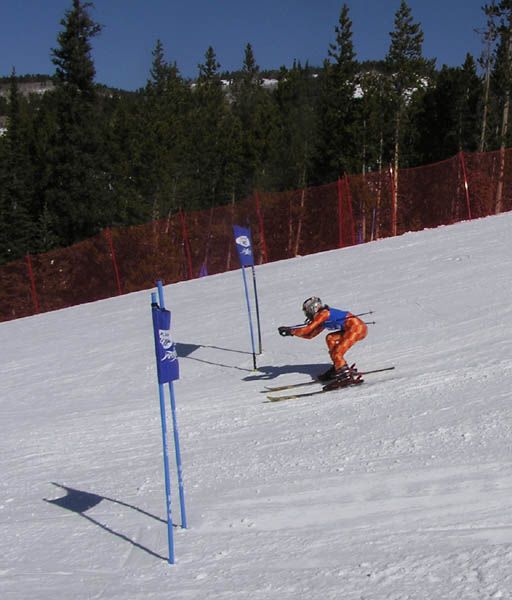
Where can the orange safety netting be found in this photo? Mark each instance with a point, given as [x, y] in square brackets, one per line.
[355, 209]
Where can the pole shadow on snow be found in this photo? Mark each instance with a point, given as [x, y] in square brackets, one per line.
[79, 502]
[185, 350]
[271, 372]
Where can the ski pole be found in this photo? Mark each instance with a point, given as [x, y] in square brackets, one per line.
[370, 312]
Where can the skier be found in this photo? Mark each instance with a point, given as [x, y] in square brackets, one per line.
[347, 329]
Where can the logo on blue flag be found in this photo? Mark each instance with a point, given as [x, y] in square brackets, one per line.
[165, 349]
[244, 245]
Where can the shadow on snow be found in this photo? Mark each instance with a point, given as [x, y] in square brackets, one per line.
[79, 502]
[185, 350]
[271, 371]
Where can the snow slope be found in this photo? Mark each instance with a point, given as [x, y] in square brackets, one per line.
[398, 489]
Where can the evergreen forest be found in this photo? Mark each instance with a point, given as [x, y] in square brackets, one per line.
[82, 157]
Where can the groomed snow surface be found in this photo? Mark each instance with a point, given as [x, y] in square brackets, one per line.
[397, 489]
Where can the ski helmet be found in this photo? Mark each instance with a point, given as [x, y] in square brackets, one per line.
[311, 306]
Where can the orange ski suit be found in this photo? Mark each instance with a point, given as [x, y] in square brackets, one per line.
[338, 342]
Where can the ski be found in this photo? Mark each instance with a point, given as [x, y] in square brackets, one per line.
[308, 394]
[313, 381]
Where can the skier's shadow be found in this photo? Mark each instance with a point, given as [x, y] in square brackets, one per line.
[271, 372]
[79, 502]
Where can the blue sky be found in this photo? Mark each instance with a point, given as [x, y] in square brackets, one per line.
[278, 30]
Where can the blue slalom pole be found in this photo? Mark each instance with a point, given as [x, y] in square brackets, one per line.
[257, 308]
[170, 534]
[178, 457]
[250, 318]
[179, 466]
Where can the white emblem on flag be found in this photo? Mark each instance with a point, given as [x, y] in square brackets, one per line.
[165, 338]
[243, 240]
[167, 344]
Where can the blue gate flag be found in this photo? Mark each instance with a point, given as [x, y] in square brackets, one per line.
[244, 245]
[165, 349]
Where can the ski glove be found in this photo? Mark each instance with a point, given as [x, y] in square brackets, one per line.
[284, 331]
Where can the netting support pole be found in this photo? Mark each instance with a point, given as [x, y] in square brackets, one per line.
[394, 200]
[108, 236]
[350, 209]
[340, 213]
[466, 186]
[264, 253]
[186, 244]
[33, 291]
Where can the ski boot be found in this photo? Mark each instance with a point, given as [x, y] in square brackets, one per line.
[331, 373]
[344, 377]
[327, 375]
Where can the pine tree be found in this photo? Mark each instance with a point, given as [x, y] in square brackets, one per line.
[449, 120]
[78, 193]
[16, 226]
[207, 142]
[503, 65]
[374, 116]
[296, 97]
[254, 110]
[489, 35]
[160, 153]
[44, 126]
[502, 87]
[245, 89]
[337, 148]
[159, 71]
[469, 106]
[407, 71]
[126, 138]
[498, 93]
